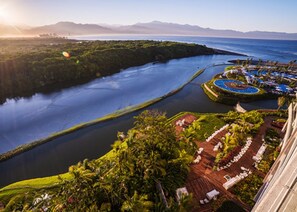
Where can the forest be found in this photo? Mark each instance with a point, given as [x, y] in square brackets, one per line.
[35, 65]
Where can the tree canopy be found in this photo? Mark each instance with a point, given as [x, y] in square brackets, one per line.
[126, 180]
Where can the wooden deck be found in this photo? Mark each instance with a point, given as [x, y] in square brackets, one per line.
[202, 178]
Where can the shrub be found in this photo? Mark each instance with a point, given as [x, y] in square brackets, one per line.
[247, 189]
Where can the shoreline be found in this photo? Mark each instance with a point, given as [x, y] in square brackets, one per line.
[78, 69]
[26, 147]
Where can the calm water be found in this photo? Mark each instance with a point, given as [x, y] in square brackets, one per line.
[28, 119]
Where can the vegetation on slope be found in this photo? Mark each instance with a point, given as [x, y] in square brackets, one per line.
[43, 67]
[128, 179]
[248, 188]
[203, 127]
[20, 189]
[150, 154]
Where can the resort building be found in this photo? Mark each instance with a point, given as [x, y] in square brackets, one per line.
[279, 191]
[270, 78]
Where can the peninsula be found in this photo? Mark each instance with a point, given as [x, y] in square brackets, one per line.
[30, 65]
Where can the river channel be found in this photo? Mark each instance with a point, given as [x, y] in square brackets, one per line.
[28, 119]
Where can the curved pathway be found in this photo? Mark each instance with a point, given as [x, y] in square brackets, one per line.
[209, 90]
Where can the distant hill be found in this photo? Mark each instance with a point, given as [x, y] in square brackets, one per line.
[157, 27]
[68, 28]
[154, 27]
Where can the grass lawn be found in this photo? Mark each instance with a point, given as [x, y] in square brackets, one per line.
[25, 186]
[229, 67]
[209, 124]
[22, 187]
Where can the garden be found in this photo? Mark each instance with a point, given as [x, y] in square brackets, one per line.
[242, 126]
[203, 127]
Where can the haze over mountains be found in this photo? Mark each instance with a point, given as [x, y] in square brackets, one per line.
[155, 27]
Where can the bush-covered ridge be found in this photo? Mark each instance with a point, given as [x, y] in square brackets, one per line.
[25, 71]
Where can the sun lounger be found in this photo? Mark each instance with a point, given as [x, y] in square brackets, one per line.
[213, 193]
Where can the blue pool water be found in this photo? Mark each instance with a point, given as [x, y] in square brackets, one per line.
[283, 88]
[221, 83]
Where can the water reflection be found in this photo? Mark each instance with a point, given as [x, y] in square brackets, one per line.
[92, 142]
[28, 119]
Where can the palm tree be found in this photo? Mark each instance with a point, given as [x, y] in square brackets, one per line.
[291, 63]
[260, 62]
[281, 101]
[137, 203]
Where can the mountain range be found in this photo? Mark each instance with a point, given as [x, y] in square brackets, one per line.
[150, 28]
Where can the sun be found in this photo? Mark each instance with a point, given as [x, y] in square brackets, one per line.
[5, 15]
[7, 18]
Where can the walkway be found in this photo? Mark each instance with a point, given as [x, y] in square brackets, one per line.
[202, 178]
[209, 90]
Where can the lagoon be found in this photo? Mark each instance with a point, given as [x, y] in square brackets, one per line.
[28, 119]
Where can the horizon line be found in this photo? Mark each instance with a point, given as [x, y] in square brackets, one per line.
[165, 22]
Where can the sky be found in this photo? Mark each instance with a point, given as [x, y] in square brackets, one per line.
[241, 15]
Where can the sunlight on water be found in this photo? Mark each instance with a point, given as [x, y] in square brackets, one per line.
[28, 119]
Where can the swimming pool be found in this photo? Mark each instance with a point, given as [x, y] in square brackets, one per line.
[234, 86]
[283, 88]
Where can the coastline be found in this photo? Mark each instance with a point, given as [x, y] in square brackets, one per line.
[43, 74]
[26, 147]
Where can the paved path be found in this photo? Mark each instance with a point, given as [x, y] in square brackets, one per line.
[209, 90]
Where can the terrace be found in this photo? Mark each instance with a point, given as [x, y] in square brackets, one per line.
[205, 176]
